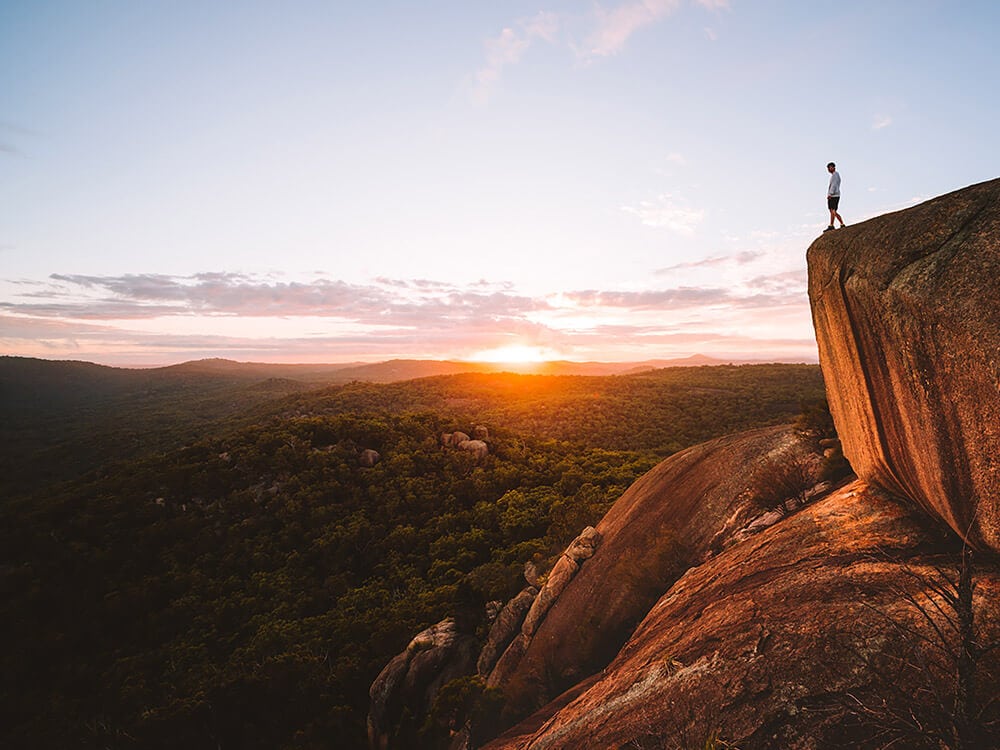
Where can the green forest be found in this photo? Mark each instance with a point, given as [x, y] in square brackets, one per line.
[239, 578]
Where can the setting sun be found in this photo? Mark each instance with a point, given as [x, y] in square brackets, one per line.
[515, 354]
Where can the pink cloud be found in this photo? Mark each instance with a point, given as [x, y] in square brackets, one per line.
[615, 26]
[148, 317]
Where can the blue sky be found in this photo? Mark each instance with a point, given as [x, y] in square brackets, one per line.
[328, 181]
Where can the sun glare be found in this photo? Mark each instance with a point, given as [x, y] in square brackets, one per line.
[514, 354]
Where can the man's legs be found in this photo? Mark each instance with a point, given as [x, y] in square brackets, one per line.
[833, 202]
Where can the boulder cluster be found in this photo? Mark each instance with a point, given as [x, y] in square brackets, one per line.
[477, 445]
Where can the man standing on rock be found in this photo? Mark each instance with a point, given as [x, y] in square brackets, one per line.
[833, 196]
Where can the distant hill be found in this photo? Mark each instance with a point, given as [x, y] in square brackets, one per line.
[26, 381]
[395, 370]
[61, 418]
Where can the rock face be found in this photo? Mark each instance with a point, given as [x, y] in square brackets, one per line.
[661, 525]
[504, 629]
[763, 641]
[411, 681]
[907, 317]
[566, 567]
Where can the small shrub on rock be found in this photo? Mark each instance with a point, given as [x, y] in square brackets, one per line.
[781, 481]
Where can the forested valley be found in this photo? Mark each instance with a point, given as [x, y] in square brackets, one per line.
[240, 580]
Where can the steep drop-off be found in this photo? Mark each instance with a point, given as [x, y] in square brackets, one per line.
[907, 318]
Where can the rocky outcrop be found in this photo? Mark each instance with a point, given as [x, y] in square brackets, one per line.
[566, 567]
[368, 458]
[453, 439]
[504, 629]
[664, 523]
[405, 689]
[764, 642]
[477, 448]
[907, 318]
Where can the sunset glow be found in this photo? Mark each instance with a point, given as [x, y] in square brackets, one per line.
[610, 181]
[515, 354]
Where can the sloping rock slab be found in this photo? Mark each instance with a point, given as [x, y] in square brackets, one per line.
[659, 527]
[760, 644]
[907, 317]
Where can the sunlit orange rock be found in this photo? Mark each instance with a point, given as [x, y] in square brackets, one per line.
[665, 522]
[907, 314]
[763, 645]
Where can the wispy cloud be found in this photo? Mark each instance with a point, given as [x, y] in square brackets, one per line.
[507, 49]
[9, 129]
[614, 26]
[881, 121]
[144, 296]
[778, 290]
[720, 260]
[604, 30]
[667, 212]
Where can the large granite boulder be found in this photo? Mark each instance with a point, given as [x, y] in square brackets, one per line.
[405, 689]
[477, 448]
[368, 458]
[907, 318]
[674, 516]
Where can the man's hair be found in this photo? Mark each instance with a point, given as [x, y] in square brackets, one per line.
[831, 164]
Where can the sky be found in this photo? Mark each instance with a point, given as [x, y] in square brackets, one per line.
[613, 180]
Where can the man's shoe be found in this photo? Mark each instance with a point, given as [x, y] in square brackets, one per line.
[828, 228]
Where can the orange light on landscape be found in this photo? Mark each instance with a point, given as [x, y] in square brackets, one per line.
[514, 354]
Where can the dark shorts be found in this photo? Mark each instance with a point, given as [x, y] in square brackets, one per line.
[833, 202]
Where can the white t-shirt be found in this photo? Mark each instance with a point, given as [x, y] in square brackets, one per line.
[834, 189]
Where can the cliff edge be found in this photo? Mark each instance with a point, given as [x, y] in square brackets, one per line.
[907, 318]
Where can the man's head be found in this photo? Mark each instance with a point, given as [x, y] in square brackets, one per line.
[831, 167]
